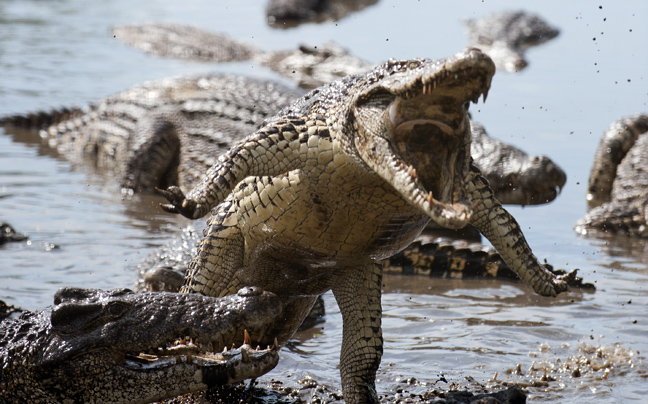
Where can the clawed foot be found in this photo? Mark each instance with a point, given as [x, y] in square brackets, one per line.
[179, 203]
[562, 282]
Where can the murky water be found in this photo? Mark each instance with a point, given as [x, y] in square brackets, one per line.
[84, 232]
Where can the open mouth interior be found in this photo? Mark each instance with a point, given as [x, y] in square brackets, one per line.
[190, 351]
[415, 133]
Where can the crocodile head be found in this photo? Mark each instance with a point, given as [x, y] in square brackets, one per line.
[118, 346]
[412, 129]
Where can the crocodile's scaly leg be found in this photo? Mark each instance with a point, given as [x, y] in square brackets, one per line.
[215, 271]
[274, 150]
[503, 231]
[154, 154]
[220, 254]
[358, 296]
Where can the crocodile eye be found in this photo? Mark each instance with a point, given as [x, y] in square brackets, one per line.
[413, 65]
[116, 308]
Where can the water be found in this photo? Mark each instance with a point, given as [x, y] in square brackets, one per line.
[84, 232]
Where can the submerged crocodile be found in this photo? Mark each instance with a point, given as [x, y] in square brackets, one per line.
[345, 177]
[9, 234]
[119, 347]
[170, 131]
[506, 36]
[503, 36]
[290, 13]
[617, 193]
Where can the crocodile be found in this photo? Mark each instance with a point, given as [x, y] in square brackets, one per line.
[344, 177]
[165, 268]
[162, 132]
[117, 346]
[290, 13]
[616, 195]
[506, 36]
[9, 234]
[172, 130]
[309, 66]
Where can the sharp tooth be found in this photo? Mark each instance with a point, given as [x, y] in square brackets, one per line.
[246, 338]
[258, 348]
[225, 350]
[244, 356]
[430, 198]
[275, 346]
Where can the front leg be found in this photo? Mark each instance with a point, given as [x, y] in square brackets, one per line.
[358, 296]
[503, 231]
[273, 150]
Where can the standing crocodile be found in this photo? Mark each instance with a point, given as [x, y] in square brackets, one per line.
[506, 36]
[115, 346]
[170, 131]
[617, 196]
[345, 177]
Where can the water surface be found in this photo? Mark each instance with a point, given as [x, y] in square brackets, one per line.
[85, 232]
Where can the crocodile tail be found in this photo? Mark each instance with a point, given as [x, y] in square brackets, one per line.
[41, 119]
[446, 261]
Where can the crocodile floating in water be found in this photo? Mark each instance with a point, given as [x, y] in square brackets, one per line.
[345, 177]
[506, 36]
[617, 192]
[9, 234]
[119, 347]
[163, 132]
[503, 36]
[290, 13]
[170, 131]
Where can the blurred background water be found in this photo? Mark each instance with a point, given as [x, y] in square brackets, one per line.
[85, 232]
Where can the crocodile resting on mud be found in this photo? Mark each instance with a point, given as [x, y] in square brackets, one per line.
[617, 193]
[115, 346]
[345, 177]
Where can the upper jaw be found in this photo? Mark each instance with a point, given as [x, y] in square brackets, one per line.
[422, 146]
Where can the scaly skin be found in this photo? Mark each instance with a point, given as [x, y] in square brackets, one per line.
[506, 36]
[617, 196]
[115, 346]
[345, 177]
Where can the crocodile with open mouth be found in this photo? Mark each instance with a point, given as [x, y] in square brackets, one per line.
[347, 176]
[116, 346]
